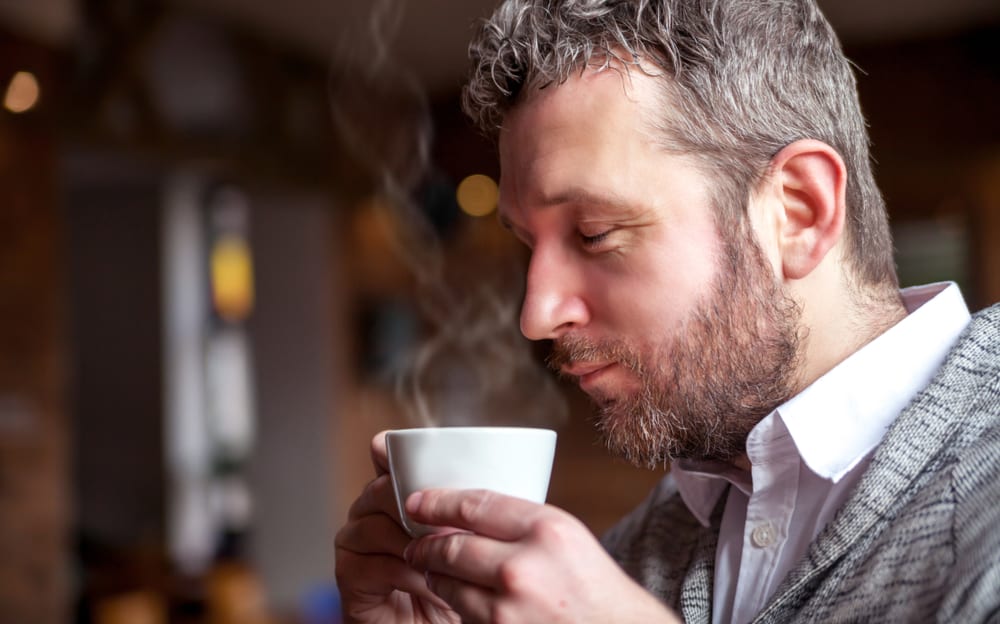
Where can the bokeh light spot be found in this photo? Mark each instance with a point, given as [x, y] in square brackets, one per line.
[22, 93]
[477, 195]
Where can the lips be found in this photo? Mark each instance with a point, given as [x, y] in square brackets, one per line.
[586, 372]
[581, 369]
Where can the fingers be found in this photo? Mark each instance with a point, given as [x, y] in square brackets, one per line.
[367, 577]
[376, 583]
[373, 534]
[377, 497]
[380, 458]
[475, 604]
[480, 511]
[466, 556]
[382, 573]
[373, 525]
[369, 553]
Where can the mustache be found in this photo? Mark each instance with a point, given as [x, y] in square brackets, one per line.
[571, 348]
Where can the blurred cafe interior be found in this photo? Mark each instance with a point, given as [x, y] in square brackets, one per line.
[239, 237]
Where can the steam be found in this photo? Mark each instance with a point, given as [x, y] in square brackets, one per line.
[474, 367]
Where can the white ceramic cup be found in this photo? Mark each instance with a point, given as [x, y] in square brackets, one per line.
[516, 461]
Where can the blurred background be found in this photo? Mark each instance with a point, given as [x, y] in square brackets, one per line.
[239, 237]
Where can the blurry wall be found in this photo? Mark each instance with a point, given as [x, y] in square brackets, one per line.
[113, 257]
[292, 467]
[35, 430]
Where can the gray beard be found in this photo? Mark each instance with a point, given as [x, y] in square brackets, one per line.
[732, 363]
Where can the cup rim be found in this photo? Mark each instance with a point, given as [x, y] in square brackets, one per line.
[469, 429]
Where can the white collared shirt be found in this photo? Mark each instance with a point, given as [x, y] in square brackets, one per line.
[808, 454]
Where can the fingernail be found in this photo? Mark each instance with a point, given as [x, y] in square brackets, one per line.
[408, 551]
[413, 502]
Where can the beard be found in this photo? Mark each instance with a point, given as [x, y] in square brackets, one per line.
[701, 391]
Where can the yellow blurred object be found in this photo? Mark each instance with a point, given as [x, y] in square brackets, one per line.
[235, 596]
[23, 92]
[232, 278]
[477, 195]
[138, 607]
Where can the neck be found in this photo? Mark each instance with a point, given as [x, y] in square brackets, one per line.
[839, 322]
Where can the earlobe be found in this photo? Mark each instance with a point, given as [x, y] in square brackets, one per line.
[811, 181]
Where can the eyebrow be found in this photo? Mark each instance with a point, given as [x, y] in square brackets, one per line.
[582, 196]
[579, 196]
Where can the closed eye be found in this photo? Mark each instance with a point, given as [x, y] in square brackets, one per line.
[595, 239]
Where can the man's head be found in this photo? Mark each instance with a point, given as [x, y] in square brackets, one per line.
[682, 335]
[739, 80]
[677, 172]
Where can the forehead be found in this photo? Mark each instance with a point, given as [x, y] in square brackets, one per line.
[595, 128]
[610, 98]
[598, 117]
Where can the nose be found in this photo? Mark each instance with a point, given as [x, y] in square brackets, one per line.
[554, 300]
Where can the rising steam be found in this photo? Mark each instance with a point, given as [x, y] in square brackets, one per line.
[475, 367]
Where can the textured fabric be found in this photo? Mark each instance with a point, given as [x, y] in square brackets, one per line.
[918, 541]
[809, 454]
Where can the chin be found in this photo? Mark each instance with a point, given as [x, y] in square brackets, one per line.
[612, 393]
[608, 403]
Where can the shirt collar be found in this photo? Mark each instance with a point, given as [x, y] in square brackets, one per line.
[842, 416]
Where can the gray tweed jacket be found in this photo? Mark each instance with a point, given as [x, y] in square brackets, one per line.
[918, 541]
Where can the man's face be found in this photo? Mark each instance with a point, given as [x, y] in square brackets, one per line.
[681, 336]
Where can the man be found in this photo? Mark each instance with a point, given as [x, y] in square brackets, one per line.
[710, 258]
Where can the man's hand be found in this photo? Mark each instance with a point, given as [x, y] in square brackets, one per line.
[517, 561]
[375, 583]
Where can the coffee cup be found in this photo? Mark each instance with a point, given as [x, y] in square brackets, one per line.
[516, 461]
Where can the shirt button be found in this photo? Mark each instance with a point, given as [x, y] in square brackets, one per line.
[763, 535]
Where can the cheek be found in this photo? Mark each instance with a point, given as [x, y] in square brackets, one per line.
[654, 294]
[680, 272]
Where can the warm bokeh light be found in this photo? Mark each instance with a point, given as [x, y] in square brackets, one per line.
[22, 92]
[232, 278]
[477, 195]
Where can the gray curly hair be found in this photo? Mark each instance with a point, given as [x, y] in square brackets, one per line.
[741, 80]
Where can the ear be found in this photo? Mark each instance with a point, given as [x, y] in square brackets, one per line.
[810, 181]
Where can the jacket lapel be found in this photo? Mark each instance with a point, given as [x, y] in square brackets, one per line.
[696, 589]
[923, 431]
